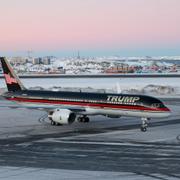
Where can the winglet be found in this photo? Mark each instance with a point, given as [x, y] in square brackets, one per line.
[12, 81]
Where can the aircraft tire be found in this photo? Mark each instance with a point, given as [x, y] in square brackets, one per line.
[80, 119]
[83, 119]
[143, 129]
[86, 119]
[59, 124]
[53, 123]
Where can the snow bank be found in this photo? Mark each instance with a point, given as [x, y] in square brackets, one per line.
[153, 90]
[147, 90]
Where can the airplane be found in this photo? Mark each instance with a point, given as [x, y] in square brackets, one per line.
[65, 107]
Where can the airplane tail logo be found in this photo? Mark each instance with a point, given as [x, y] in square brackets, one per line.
[12, 81]
[9, 79]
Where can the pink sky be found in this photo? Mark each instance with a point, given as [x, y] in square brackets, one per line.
[70, 24]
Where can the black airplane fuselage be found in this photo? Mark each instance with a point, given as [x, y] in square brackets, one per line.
[117, 102]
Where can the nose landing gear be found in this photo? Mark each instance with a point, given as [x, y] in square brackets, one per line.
[144, 124]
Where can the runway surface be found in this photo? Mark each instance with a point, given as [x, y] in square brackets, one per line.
[102, 149]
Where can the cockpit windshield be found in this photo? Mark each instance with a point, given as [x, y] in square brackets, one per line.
[157, 105]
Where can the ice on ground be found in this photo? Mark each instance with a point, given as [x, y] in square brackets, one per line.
[16, 173]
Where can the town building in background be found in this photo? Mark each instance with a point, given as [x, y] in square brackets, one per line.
[94, 65]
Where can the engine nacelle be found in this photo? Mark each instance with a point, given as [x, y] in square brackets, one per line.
[63, 116]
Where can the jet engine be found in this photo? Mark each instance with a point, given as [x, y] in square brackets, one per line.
[62, 116]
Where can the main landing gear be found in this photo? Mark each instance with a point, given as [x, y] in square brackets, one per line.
[144, 124]
[83, 119]
[53, 123]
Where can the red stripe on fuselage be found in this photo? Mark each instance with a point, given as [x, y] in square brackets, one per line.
[88, 104]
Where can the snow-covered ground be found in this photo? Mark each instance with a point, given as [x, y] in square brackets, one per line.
[22, 123]
[99, 65]
[17, 173]
[109, 143]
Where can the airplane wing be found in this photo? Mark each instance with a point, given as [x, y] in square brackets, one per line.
[13, 105]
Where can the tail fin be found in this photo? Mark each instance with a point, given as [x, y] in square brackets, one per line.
[12, 81]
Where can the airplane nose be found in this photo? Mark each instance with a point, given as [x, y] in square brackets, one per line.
[167, 111]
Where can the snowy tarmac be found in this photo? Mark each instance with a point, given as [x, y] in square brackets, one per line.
[102, 149]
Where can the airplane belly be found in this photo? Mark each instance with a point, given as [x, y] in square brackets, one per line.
[123, 112]
[101, 111]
